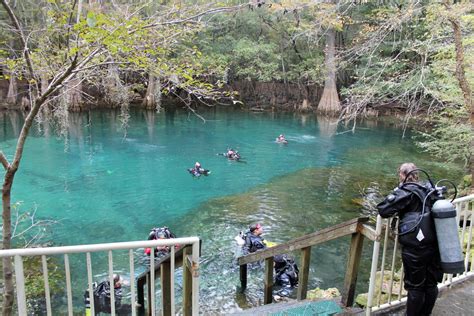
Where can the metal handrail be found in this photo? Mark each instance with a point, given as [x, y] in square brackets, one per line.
[17, 254]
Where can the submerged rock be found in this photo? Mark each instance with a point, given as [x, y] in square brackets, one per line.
[318, 293]
[382, 288]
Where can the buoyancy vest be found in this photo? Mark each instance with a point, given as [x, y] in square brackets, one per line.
[101, 296]
[416, 226]
[253, 243]
[155, 232]
[286, 271]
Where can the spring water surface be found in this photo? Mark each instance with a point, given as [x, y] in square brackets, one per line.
[105, 184]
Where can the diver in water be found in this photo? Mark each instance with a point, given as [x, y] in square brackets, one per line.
[232, 154]
[160, 233]
[281, 139]
[286, 274]
[101, 296]
[253, 239]
[197, 171]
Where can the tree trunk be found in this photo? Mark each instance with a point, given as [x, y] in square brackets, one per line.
[74, 94]
[463, 84]
[44, 83]
[8, 294]
[12, 90]
[152, 96]
[329, 102]
[15, 120]
[305, 106]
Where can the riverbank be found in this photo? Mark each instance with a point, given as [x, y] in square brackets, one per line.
[249, 95]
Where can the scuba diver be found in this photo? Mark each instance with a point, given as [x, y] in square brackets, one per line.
[412, 201]
[281, 139]
[232, 154]
[286, 274]
[160, 233]
[101, 296]
[253, 239]
[197, 171]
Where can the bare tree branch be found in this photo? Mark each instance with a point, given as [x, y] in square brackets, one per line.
[20, 228]
[100, 64]
[4, 161]
[201, 14]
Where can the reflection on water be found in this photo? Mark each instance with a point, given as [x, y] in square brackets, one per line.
[109, 187]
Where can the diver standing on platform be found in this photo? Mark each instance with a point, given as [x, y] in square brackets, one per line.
[412, 202]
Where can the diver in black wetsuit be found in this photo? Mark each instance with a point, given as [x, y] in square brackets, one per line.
[101, 296]
[160, 233]
[253, 239]
[197, 171]
[286, 274]
[281, 139]
[417, 235]
[232, 154]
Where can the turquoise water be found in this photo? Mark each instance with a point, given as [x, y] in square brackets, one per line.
[105, 184]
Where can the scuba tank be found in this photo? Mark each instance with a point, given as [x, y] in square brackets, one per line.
[444, 215]
[240, 239]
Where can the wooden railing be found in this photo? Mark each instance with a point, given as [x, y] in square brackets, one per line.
[356, 227]
[164, 269]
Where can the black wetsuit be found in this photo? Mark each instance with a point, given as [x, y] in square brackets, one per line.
[286, 273]
[102, 299]
[420, 253]
[253, 243]
[197, 172]
[155, 232]
[155, 235]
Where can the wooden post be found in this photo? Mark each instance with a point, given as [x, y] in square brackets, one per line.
[352, 269]
[166, 288]
[268, 281]
[304, 273]
[187, 284]
[243, 276]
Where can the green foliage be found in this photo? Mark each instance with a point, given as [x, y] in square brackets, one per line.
[451, 136]
[264, 45]
[260, 60]
[34, 281]
[141, 42]
[404, 56]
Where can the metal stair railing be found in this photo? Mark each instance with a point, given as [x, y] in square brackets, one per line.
[189, 248]
[390, 259]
